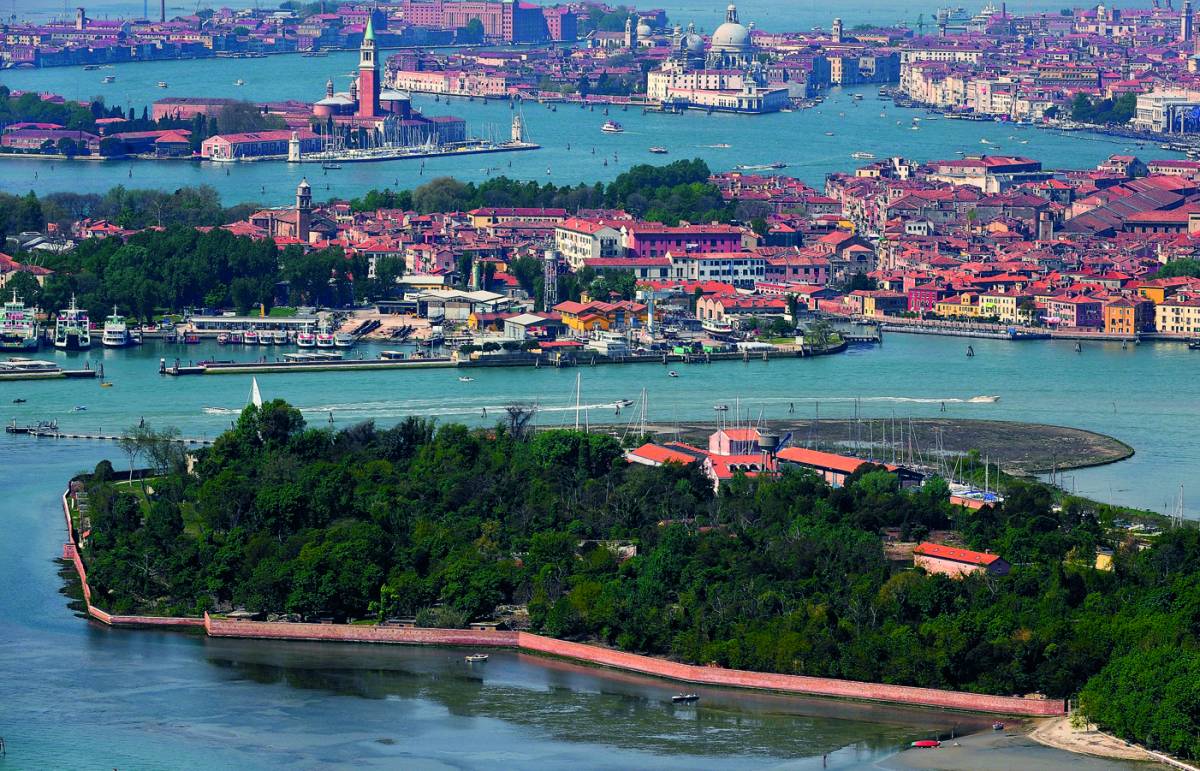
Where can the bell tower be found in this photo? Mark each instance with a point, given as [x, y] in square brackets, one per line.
[368, 73]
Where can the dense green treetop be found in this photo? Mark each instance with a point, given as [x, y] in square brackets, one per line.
[788, 574]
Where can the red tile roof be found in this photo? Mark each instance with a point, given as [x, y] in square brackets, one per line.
[954, 554]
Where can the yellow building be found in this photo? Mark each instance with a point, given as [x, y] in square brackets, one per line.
[965, 305]
[598, 316]
[1180, 317]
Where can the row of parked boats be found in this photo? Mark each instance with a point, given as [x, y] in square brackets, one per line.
[322, 338]
[20, 329]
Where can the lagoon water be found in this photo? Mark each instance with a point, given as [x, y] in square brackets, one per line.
[77, 695]
[573, 148]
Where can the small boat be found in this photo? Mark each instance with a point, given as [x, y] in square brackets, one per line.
[106, 385]
[162, 84]
[862, 155]
[465, 379]
[658, 150]
[91, 67]
[239, 82]
[108, 79]
[331, 166]
[927, 744]
[998, 726]
[18, 401]
[720, 146]
[222, 339]
[672, 373]
[685, 698]
[828, 133]
[191, 339]
[624, 402]
[476, 658]
[970, 351]
[79, 408]
[721, 407]
[612, 127]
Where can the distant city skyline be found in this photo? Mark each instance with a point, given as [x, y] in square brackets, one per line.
[707, 14]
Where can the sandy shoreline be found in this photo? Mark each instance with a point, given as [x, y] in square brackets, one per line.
[1016, 748]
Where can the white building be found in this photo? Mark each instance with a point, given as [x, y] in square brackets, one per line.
[1168, 111]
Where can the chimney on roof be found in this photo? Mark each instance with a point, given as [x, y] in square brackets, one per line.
[162, 11]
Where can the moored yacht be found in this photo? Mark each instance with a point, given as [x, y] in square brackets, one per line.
[72, 330]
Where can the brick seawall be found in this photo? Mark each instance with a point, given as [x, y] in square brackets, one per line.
[591, 654]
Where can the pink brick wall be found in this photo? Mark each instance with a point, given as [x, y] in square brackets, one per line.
[733, 678]
[218, 627]
[793, 683]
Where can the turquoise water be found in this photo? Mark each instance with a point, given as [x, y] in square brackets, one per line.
[77, 695]
[1123, 393]
[796, 138]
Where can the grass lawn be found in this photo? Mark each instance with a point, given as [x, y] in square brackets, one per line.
[282, 313]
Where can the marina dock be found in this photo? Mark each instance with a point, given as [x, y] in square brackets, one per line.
[31, 369]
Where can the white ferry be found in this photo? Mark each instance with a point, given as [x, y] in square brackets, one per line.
[344, 340]
[862, 155]
[612, 127]
[306, 339]
[18, 327]
[116, 332]
[72, 330]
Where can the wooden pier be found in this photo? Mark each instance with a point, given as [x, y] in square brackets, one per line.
[38, 432]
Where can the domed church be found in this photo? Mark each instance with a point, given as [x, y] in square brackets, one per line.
[731, 46]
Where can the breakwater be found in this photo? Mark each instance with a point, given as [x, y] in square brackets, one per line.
[546, 646]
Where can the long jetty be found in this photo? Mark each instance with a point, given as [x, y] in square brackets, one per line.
[486, 361]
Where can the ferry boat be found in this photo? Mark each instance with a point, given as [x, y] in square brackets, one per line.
[325, 338]
[162, 84]
[863, 156]
[235, 338]
[306, 340]
[108, 79]
[15, 366]
[250, 337]
[91, 67]
[239, 82]
[72, 331]
[116, 333]
[18, 327]
[658, 150]
[266, 338]
[280, 337]
[612, 127]
[344, 340]
[476, 658]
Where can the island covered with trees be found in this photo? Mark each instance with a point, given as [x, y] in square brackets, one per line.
[555, 532]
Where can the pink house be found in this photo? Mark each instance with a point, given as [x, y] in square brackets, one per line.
[954, 562]
[648, 239]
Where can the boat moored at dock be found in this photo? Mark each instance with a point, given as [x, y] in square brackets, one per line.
[19, 329]
[116, 332]
[72, 330]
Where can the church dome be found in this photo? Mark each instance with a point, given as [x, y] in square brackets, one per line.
[732, 36]
[643, 29]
